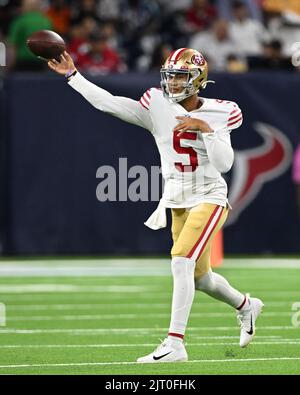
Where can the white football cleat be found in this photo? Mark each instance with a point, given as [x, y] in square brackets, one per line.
[247, 318]
[168, 351]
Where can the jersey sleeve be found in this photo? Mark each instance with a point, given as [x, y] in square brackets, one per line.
[145, 100]
[219, 149]
[234, 117]
[124, 108]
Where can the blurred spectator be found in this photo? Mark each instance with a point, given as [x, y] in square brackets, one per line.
[109, 30]
[296, 176]
[137, 16]
[236, 64]
[160, 54]
[281, 5]
[215, 44]
[138, 29]
[108, 10]
[271, 59]
[59, 13]
[86, 8]
[100, 58]
[174, 29]
[8, 10]
[253, 7]
[201, 15]
[79, 42]
[30, 20]
[247, 34]
[286, 28]
[148, 42]
[169, 7]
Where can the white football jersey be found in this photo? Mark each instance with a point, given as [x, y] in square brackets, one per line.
[193, 162]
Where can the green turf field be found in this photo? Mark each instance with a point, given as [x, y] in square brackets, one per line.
[97, 317]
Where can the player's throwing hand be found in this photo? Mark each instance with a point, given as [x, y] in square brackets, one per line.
[65, 66]
[187, 123]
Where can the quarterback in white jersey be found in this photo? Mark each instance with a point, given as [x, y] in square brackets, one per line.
[192, 134]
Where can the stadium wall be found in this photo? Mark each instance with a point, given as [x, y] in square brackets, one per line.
[55, 142]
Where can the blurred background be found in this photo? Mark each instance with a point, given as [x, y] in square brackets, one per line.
[52, 142]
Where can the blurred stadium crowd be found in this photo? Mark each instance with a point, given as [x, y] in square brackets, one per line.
[107, 36]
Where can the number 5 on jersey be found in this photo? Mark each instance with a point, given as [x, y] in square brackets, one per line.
[185, 150]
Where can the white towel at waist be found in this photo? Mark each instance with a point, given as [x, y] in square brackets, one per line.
[158, 219]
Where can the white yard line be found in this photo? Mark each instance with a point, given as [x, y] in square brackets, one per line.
[132, 297]
[107, 306]
[262, 263]
[237, 337]
[124, 267]
[134, 330]
[100, 317]
[72, 297]
[33, 288]
[135, 363]
[149, 291]
[83, 306]
[216, 337]
[11, 346]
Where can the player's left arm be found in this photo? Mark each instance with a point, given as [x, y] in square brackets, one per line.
[219, 149]
[217, 142]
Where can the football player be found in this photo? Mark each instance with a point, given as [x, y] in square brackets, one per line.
[192, 134]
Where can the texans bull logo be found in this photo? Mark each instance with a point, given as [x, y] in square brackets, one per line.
[256, 166]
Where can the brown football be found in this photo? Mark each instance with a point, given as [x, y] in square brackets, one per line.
[46, 44]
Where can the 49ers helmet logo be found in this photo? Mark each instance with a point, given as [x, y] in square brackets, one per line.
[198, 60]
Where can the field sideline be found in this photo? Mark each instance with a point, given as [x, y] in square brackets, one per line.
[96, 316]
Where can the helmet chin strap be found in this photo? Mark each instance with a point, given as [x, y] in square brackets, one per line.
[203, 86]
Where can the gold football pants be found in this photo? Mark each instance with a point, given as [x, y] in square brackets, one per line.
[193, 231]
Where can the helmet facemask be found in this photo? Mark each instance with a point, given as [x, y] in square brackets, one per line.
[179, 84]
[183, 74]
